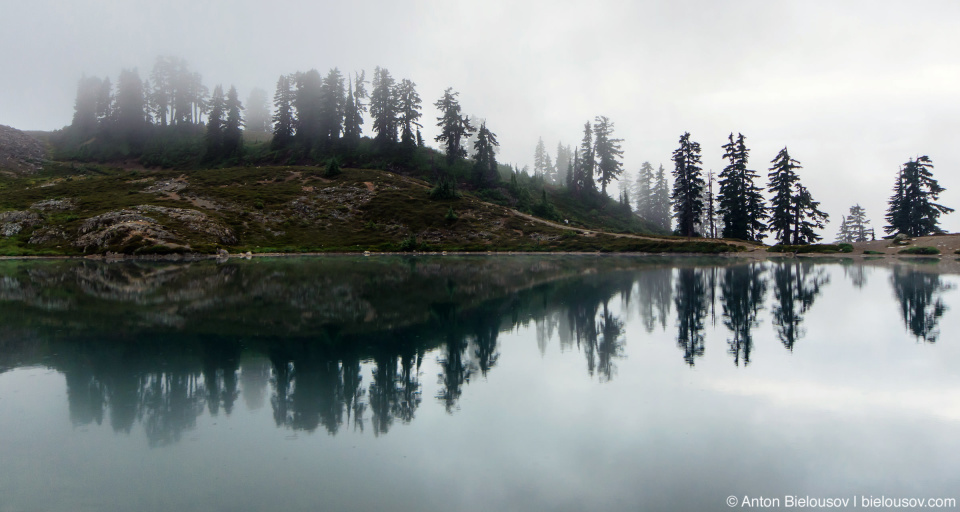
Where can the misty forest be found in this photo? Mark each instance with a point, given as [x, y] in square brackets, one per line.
[171, 119]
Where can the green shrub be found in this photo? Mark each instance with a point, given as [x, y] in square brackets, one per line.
[451, 215]
[919, 250]
[845, 247]
[874, 252]
[409, 243]
[333, 169]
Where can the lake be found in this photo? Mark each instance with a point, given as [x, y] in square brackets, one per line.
[479, 383]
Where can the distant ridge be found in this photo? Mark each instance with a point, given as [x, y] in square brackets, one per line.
[19, 152]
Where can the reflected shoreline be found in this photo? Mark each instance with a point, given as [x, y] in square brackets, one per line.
[337, 343]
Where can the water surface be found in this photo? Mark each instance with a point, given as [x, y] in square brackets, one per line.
[473, 383]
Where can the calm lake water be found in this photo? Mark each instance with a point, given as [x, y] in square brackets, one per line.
[474, 383]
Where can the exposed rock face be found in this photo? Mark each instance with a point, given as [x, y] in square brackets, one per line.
[13, 222]
[121, 227]
[53, 205]
[20, 152]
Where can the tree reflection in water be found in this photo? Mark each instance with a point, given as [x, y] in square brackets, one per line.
[164, 345]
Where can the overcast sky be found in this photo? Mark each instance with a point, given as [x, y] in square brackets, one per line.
[853, 89]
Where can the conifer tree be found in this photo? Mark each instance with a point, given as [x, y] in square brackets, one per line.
[540, 159]
[687, 186]
[710, 214]
[215, 122]
[741, 204]
[643, 192]
[844, 235]
[857, 220]
[233, 128]
[383, 108]
[131, 106]
[807, 217]
[782, 183]
[408, 110]
[453, 126]
[661, 201]
[485, 159]
[258, 112]
[85, 106]
[332, 107]
[583, 171]
[105, 105]
[308, 102]
[608, 153]
[353, 117]
[283, 119]
[911, 209]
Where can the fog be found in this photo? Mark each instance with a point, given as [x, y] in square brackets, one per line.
[854, 89]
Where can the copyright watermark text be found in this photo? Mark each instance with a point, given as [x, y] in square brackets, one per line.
[855, 501]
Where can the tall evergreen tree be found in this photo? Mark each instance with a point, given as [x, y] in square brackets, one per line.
[233, 128]
[858, 224]
[540, 159]
[383, 107]
[911, 209]
[453, 126]
[485, 159]
[283, 118]
[408, 111]
[353, 117]
[643, 192]
[661, 201]
[806, 218]
[583, 171]
[258, 111]
[332, 106]
[783, 181]
[687, 186]
[608, 153]
[85, 106]
[308, 100]
[105, 105]
[215, 124]
[741, 204]
[131, 106]
[710, 213]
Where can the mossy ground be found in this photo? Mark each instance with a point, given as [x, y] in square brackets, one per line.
[298, 209]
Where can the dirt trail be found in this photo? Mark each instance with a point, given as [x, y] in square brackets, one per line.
[749, 247]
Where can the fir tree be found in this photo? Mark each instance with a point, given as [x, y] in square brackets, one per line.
[215, 122]
[383, 108]
[408, 110]
[782, 183]
[131, 106]
[661, 201]
[687, 186]
[540, 159]
[258, 112]
[353, 117]
[583, 171]
[858, 224]
[333, 102]
[911, 209]
[308, 102]
[85, 106]
[233, 129]
[740, 201]
[643, 192]
[283, 119]
[485, 159]
[608, 153]
[807, 217]
[453, 126]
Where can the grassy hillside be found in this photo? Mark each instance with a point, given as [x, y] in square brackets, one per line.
[87, 208]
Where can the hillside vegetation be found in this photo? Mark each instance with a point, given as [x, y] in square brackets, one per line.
[75, 209]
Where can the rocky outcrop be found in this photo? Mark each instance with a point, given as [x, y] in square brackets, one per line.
[20, 152]
[129, 229]
[14, 222]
